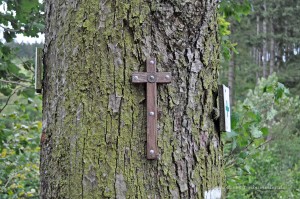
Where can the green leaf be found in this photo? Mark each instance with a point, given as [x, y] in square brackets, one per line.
[271, 114]
[255, 116]
[235, 118]
[234, 145]
[265, 131]
[22, 107]
[29, 100]
[9, 36]
[246, 107]
[231, 134]
[10, 192]
[13, 68]
[255, 132]
[5, 91]
[279, 91]
[247, 168]
[27, 92]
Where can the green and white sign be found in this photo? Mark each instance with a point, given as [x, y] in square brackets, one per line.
[225, 110]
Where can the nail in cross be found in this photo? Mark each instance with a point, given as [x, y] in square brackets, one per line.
[151, 77]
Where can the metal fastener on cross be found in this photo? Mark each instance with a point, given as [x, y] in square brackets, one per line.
[151, 77]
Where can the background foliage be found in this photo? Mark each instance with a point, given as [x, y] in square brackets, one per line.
[259, 162]
[262, 151]
[20, 127]
[20, 108]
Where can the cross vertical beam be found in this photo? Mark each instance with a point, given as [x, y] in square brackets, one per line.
[152, 149]
[151, 77]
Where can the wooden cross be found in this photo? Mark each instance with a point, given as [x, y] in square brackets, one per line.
[151, 77]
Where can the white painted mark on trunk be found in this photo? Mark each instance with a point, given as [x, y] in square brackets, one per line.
[213, 193]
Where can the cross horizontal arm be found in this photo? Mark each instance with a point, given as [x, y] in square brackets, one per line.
[163, 77]
[139, 77]
[143, 77]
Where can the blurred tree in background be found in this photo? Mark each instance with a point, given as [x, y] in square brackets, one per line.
[262, 70]
[268, 41]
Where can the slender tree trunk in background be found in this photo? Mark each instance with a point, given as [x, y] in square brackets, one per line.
[286, 46]
[290, 51]
[272, 48]
[279, 56]
[264, 50]
[291, 45]
[231, 78]
[94, 118]
[258, 51]
[253, 53]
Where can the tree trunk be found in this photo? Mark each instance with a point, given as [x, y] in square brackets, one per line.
[94, 118]
[272, 48]
[264, 50]
[279, 56]
[258, 49]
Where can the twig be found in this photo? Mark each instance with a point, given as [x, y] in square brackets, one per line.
[6, 103]
[23, 80]
[240, 151]
[13, 82]
[267, 141]
[23, 62]
[8, 29]
[231, 164]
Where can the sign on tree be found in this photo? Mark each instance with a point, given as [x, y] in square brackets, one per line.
[225, 112]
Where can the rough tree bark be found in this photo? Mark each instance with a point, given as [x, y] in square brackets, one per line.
[94, 119]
